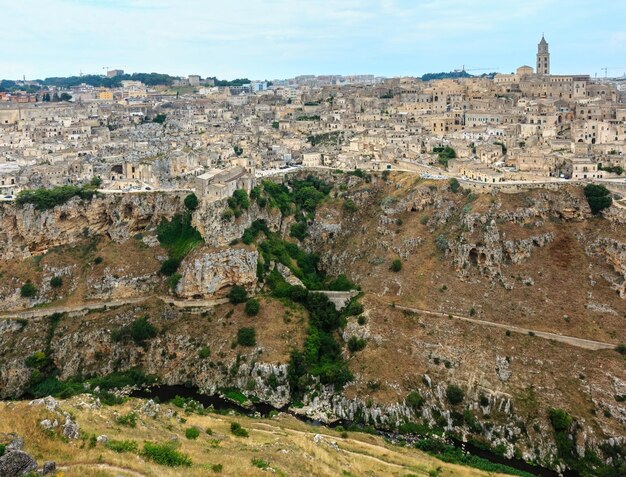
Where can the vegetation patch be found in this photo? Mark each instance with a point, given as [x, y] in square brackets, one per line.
[165, 454]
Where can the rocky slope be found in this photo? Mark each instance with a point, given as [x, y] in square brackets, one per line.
[535, 259]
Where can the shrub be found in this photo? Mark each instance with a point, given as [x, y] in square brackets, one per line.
[246, 337]
[172, 280]
[442, 243]
[129, 420]
[204, 352]
[252, 307]
[354, 308]
[260, 463]
[621, 348]
[28, 290]
[169, 266]
[349, 206]
[454, 185]
[165, 454]
[97, 260]
[192, 433]
[298, 230]
[237, 294]
[122, 446]
[454, 394]
[560, 419]
[37, 360]
[191, 202]
[396, 265]
[361, 320]
[237, 430]
[44, 199]
[217, 468]
[598, 197]
[356, 344]
[56, 282]
[141, 330]
[414, 400]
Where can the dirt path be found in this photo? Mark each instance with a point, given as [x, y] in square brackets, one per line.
[96, 465]
[49, 310]
[570, 340]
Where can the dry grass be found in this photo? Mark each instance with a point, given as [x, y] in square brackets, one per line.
[285, 443]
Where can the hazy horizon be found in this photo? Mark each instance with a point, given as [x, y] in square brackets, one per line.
[282, 39]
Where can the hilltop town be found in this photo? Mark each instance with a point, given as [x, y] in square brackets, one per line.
[528, 126]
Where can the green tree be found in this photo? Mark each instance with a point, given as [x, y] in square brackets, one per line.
[598, 197]
[414, 400]
[191, 202]
[252, 307]
[246, 336]
[28, 290]
[65, 97]
[56, 282]
[160, 118]
[454, 185]
[454, 394]
[237, 294]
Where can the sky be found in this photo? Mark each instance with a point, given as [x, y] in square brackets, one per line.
[272, 39]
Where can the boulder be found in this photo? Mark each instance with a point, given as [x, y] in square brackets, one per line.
[16, 463]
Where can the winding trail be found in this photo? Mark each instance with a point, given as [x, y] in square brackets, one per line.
[49, 310]
[570, 340]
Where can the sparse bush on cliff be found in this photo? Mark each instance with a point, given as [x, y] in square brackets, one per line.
[169, 266]
[178, 236]
[454, 394]
[56, 282]
[356, 344]
[414, 400]
[28, 290]
[454, 185]
[140, 331]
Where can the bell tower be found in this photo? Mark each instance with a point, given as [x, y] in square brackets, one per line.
[543, 57]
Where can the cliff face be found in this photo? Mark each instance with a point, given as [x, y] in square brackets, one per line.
[25, 231]
[218, 231]
[207, 271]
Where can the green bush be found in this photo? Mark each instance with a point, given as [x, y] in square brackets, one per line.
[139, 331]
[56, 282]
[246, 337]
[169, 267]
[252, 307]
[191, 202]
[454, 394]
[560, 419]
[165, 454]
[28, 290]
[396, 265]
[97, 260]
[122, 446]
[356, 344]
[454, 185]
[237, 430]
[178, 236]
[260, 463]
[192, 433]
[237, 294]
[172, 280]
[129, 420]
[204, 352]
[298, 230]
[414, 400]
[349, 206]
[44, 199]
[37, 360]
[598, 197]
[621, 348]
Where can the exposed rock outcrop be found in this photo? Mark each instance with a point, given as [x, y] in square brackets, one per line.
[25, 231]
[207, 271]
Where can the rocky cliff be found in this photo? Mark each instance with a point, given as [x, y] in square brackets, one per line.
[26, 231]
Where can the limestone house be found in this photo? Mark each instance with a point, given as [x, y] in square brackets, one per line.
[218, 184]
[585, 168]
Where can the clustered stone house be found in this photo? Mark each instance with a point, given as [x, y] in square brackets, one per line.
[520, 126]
